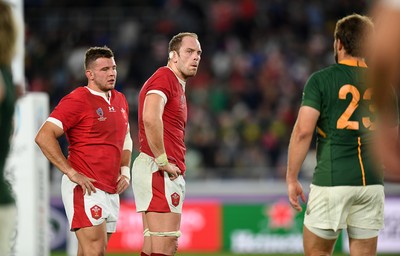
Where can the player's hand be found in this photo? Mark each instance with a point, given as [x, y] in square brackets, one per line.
[83, 181]
[122, 183]
[172, 170]
[295, 190]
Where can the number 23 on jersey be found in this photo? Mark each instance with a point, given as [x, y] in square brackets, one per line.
[344, 121]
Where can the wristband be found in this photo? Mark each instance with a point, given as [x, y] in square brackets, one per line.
[162, 160]
[126, 171]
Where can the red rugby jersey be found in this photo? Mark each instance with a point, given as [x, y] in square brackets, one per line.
[174, 116]
[96, 132]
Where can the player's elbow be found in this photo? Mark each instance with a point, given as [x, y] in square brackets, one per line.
[40, 138]
[43, 137]
[150, 121]
[299, 133]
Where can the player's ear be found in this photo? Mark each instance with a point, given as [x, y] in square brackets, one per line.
[171, 55]
[339, 44]
[89, 74]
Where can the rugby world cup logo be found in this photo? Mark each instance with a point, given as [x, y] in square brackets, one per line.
[100, 113]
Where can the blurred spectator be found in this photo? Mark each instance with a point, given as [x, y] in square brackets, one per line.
[256, 58]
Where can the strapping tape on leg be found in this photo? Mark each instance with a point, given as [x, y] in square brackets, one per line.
[170, 233]
[146, 232]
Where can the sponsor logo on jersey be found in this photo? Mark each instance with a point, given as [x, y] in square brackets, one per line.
[111, 109]
[175, 198]
[100, 113]
[96, 212]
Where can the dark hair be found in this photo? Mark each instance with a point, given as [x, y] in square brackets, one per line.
[176, 41]
[93, 53]
[352, 31]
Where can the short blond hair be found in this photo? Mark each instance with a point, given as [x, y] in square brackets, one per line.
[176, 41]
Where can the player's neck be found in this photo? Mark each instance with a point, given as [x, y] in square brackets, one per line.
[176, 72]
[352, 61]
[350, 58]
[344, 57]
[96, 90]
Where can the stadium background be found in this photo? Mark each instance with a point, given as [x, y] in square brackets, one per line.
[257, 56]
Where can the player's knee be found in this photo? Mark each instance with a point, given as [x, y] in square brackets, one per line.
[99, 250]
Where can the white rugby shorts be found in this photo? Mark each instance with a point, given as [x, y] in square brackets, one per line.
[89, 210]
[152, 188]
[341, 206]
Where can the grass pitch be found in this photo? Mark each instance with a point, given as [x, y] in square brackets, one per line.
[212, 254]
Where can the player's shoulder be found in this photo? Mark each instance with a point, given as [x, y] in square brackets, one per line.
[327, 70]
[161, 77]
[325, 73]
[117, 93]
[79, 90]
[77, 94]
[75, 99]
[163, 73]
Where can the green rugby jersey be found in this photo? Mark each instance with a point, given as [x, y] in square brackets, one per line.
[344, 128]
[7, 106]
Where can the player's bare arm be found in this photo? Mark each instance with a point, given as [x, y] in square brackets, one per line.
[300, 141]
[46, 139]
[387, 149]
[153, 124]
[383, 46]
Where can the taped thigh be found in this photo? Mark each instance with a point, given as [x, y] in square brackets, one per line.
[166, 233]
[361, 233]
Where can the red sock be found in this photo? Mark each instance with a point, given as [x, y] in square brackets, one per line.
[158, 254]
[143, 254]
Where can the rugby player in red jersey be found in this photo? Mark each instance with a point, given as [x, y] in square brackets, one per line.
[158, 171]
[95, 121]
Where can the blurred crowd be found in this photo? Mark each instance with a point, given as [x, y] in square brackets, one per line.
[257, 56]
